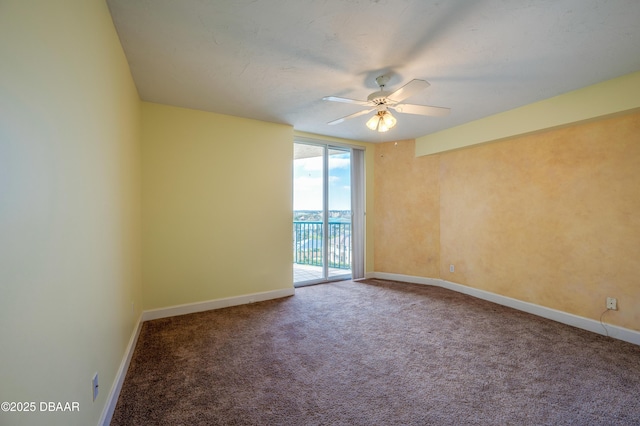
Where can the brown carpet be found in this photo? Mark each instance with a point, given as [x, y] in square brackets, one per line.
[377, 353]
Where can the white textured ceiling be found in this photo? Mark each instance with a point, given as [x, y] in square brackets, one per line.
[274, 60]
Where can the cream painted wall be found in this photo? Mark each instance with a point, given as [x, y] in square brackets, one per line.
[550, 218]
[217, 207]
[609, 98]
[69, 206]
[369, 160]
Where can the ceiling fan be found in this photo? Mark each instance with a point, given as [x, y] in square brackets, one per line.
[382, 101]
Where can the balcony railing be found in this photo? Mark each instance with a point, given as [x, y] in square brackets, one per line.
[307, 244]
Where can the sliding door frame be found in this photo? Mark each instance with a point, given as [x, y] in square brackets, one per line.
[357, 229]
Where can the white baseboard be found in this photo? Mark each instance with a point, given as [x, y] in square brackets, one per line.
[114, 392]
[588, 324]
[208, 305]
[171, 311]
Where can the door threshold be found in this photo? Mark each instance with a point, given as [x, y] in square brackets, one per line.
[316, 282]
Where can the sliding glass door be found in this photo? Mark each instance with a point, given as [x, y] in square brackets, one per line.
[322, 217]
[338, 265]
[308, 213]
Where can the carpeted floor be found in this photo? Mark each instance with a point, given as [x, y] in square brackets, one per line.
[376, 353]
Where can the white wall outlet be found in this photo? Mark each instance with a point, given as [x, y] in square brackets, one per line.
[94, 383]
[612, 303]
[452, 268]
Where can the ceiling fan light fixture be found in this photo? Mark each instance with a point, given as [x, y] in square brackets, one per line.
[382, 128]
[382, 121]
[374, 122]
[389, 120]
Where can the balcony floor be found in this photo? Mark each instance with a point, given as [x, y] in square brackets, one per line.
[302, 273]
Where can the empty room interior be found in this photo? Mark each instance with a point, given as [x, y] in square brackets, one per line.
[147, 179]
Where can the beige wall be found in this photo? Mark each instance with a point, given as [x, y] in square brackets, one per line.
[407, 193]
[217, 206]
[549, 218]
[69, 206]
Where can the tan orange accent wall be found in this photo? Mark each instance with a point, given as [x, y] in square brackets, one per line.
[406, 194]
[551, 218]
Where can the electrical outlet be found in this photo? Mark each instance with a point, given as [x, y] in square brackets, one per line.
[612, 303]
[94, 382]
[452, 268]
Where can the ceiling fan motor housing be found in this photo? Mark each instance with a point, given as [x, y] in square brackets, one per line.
[379, 97]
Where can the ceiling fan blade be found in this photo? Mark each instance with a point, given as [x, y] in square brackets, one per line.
[357, 114]
[346, 100]
[408, 90]
[422, 110]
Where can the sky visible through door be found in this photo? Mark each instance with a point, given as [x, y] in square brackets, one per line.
[307, 185]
